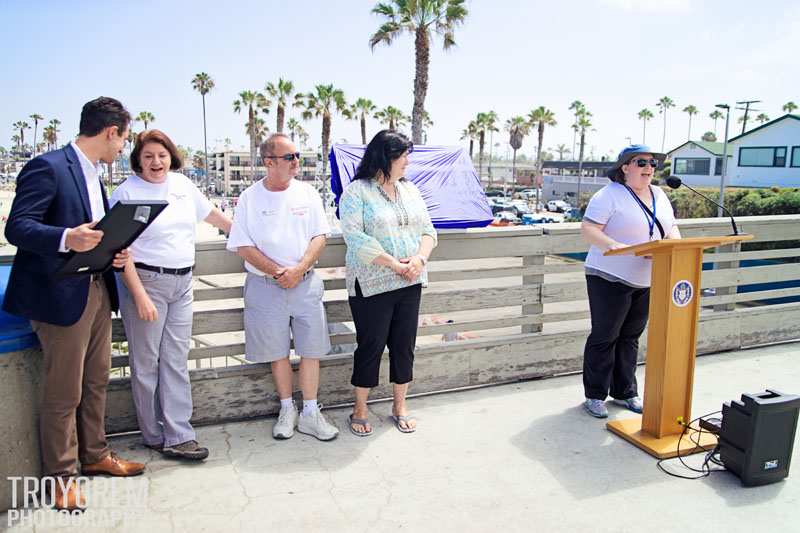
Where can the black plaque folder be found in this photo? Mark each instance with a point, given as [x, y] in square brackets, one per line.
[121, 226]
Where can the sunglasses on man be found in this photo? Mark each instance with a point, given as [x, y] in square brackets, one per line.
[641, 163]
[287, 157]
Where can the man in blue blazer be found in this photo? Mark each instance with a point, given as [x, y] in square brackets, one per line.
[59, 198]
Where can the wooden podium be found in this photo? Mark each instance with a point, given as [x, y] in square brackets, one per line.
[671, 344]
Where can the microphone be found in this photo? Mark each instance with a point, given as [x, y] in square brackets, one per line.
[674, 182]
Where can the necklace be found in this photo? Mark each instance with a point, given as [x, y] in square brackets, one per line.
[397, 205]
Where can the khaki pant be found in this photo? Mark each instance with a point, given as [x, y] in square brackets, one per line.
[77, 360]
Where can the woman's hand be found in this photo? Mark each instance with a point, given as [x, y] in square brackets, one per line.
[147, 311]
[400, 268]
[614, 245]
[415, 266]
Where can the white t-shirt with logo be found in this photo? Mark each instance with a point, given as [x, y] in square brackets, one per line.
[625, 221]
[279, 223]
[169, 240]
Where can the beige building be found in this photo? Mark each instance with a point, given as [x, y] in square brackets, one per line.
[231, 172]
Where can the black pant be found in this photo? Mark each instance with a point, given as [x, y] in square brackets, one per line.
[389, 318]
[619, 315]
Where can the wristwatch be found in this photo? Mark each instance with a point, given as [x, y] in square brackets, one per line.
[422, 258]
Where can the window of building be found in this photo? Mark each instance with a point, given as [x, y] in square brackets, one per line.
[795, 156]
[718, 166]
[766, 156]
[699, 166]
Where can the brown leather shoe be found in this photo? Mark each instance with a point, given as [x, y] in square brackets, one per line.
[113, 465]
[69, 498]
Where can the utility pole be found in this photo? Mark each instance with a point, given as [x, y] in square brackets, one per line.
[746, 110]
[727, 109]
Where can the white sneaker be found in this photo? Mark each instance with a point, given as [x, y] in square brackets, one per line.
[287, 420]
[314, 424]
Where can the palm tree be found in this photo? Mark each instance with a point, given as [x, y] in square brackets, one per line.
[48, 134]
[663, 105]
[55, 123]
[294, 128]
[715, 116]
[583, 124]
[324, 102]
[645, 115]
[21, 125]
[279, 92]
[254, 102]
[789, 107]
[426, 123]
[517, 128]
[364, 108]
[577, 108]
[709, 136]
[36, 117]
[561, 149]
[541, 117]
[762, 118]
[690, 110]
[471, 133]
[484, 122]
[203, 84]
[16, 140]
[391, 116]
[145, 116]
[420, 17]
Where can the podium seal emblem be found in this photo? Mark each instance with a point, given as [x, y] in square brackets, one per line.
[682, 293]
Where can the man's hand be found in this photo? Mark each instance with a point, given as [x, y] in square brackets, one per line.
[291, 277]
[121, 258]
[414, 269]
[83, 238]
[145, 308]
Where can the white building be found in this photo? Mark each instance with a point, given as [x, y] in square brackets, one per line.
[766, 156]
[232, 173]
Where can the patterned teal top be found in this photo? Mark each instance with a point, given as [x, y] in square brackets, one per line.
[371, 226]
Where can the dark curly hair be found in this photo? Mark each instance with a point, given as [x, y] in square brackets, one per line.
[385, 147]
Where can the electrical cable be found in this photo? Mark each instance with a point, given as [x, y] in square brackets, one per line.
[705, 469]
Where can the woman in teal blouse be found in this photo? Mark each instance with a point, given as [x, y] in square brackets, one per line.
[389, 238]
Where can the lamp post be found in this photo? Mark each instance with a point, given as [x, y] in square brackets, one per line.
[727, 109]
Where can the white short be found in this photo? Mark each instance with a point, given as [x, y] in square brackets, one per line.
[273, 316]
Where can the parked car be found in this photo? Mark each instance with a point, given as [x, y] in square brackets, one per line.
[494, 193]
[557, 206]
[532, 218]
[505, 218]
[573, 213]
[500, 204]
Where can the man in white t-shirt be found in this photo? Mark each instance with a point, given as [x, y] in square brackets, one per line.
[280, 230]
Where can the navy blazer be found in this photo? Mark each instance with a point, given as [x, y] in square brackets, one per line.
[51, 196]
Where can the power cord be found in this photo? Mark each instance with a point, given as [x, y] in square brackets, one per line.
[710, 457]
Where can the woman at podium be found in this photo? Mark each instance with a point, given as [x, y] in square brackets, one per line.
[627, 211]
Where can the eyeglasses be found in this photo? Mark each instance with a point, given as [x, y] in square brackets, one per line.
[287, 157]
[641, 163]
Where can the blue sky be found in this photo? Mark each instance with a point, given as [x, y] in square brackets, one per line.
[616, 56]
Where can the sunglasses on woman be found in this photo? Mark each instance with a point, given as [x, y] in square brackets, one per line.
[290, 157]
[641, 163]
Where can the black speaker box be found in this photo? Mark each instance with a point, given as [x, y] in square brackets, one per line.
[757, 436]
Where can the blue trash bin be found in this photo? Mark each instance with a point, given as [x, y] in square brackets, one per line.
[15, 331]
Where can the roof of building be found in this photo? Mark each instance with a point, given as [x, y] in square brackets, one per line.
[714, 148]
[765, 125]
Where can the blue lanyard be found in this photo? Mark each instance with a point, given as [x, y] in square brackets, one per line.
[650, 217]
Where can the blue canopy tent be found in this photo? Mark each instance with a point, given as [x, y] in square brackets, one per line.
[443, 174]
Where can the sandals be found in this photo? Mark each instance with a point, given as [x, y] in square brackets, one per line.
[397, 419]
[362, 422]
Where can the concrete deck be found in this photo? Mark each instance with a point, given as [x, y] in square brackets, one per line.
[520, 457]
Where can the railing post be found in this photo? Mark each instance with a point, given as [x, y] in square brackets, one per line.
[724, 291]
[535, 283]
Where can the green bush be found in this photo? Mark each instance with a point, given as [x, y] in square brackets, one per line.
[741, 202]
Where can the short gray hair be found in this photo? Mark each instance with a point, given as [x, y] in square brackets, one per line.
[268, 146]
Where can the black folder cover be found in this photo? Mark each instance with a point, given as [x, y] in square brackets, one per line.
[121, 226]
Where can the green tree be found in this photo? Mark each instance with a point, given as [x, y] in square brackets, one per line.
[709, 137]
[762, 118]
[392, 117]
[715, 116]
[364, 108]
[577, 108]
[422, 18]
[36, 117]
[789, 107]
[427, 123]
[485, 122]
[21, 126]
[55, 123]
[295, 129]
[323, 103]
[517, 128]
[254, 102]
[561, 149]
[279, 92]
[145, 116]
[203, 83]
[690, 110]
[663, 106]
[540, 117]
[471, 133]
[645, 115]
[584, 124]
